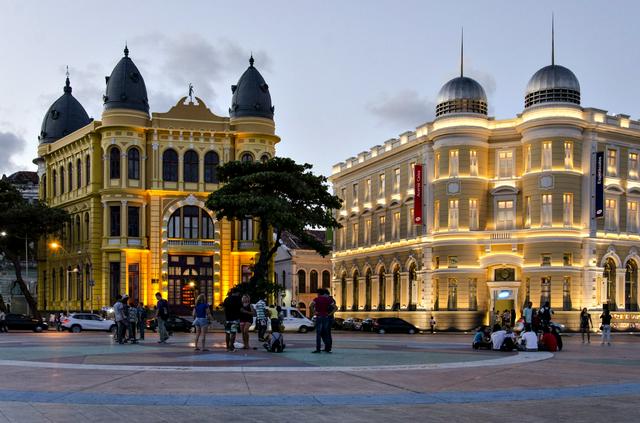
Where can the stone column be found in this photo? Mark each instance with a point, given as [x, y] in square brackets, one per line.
[620, 288]
[124, 219]
[388, 289]
[375, 289]
[362, 292]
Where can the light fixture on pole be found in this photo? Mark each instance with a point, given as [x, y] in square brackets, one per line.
[74, 270]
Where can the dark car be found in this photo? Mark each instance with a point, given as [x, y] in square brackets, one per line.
[393, 325]
[352, 323]
[173, 324]
[22, 322]
[367, 325]
[337, 323]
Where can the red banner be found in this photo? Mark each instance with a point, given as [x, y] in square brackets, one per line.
[417, 199]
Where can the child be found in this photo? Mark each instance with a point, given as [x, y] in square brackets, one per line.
[275, 341]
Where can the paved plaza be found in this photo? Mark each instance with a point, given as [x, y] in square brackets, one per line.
[86, 377]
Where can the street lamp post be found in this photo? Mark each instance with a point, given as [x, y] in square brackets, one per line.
[74, 270]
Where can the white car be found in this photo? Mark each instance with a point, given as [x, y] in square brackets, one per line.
[77, 322]
[293, 320]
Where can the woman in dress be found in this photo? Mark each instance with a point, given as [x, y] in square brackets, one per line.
[585, 324]
[246, 319]
[202, 318]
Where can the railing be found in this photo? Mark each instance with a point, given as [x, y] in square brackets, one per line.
[501, 235]
[191, 242]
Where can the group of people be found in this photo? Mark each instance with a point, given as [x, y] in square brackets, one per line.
[130, 316]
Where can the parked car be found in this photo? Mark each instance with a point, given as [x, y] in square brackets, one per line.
[22, 322]
[173, 324]
[393, 325]
[293, 320]
[337, 323]
[77, 322]
[519, 326]
[352, 323]
[367, 325]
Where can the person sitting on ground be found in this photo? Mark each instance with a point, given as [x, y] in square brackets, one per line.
[274, 342]
[529, 339]
[497, 337]
[480, 339]
[509, 343]
[548, 341]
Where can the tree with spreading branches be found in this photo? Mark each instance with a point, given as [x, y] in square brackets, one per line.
[280, 195]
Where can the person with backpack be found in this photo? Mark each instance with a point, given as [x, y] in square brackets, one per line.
[545, 314]
[232, 306]
[275, 341]
[162, 314]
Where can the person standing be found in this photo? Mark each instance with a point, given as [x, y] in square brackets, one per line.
[261, 318]
[118, 311]
[545, 313]
[52, 320]
[59, 319]
[605, 318]
[232, 305]
[3, 322]
[201, 320]
[321, 308]
[132, 312]
[162, 314]
[585, 324]
[432, 323]
[246, 319]
[527, 314]
[142, 319]
[127, 324]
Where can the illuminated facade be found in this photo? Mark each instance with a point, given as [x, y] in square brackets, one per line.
[135, 185]
[508, 212]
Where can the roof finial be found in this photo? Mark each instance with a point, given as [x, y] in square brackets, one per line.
[462, 52]
[126, 50]
[251, 60]
[553, 41]
[67, 84]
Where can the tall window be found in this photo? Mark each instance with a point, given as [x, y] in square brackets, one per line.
[527, 158]
[632, 216]
[505, 164]
[211, 161]
[246, 229]
[473, 163]
[87, 165]
[70, 177]
[436, 215]
[611, 215]
[343, 196]
[452, 301]
[633, 165]
[78, 173]
[114, 220]
[326, 279]
[612, 162]
[395, 225]
[133, 163]
[411, 226]
[436, 166]
[545, 291]
[207, 225]
[313, 281]
[114, 163]
[505, 218]
[367, 231]
[44, 186]
[527, 212]
[190, 171]
[54, 182]
[170, 166]
[87, 229]
[265, 158]
[474, 219]
[547, 210]
[473, 294]
[453, 163]
[567, 210]
[133, 221]
[568, 155]
[396, 180]
[302, 282]
[367, 190]
[412, 174]
[453, 215]
[61, 179]
[78, 230]
[190, 222]
[354, 195]
[190, 219]
[381, 228]
[381, 183]
[246, 158]
[354, 234]
[547, 155]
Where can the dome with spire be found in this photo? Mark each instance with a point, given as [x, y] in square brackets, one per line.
[125, 87]
[65, 116]
[251, 96]
[461, 95]
[552, 84]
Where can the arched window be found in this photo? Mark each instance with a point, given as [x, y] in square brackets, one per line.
[191, 222]
[133, 163]
[356, 291]
[87, 164]
[302, 282]
[114, 163]
[610, 278]
[396, 288]
[367, 287]
[265, 158]
[326, 279]
[174, 228]
[211, 161]
[86, 227]
[343, 292]
[54, 182]
[246, 157]
[61, 179]
[190, 171]
[78, 231]
[631, 287]
[170, 166]
[382, 300]
[207, 226]
[452, 301]
[313, 280]
[412, 282]
[70, 167]
[79, 173]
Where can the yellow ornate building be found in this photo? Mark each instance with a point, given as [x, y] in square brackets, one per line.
[135, 185]
[509, 212]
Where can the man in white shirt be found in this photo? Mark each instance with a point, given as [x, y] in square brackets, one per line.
[497, 337]
[529, 339]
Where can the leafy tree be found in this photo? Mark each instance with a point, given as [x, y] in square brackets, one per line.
[280, 195]
[20, 220]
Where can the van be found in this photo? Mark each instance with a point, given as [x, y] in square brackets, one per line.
[292, 319]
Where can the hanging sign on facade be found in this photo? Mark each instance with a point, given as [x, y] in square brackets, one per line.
[599, 206]
[417, 202]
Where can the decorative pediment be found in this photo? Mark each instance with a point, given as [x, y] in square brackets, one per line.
[614, 189]
[504, 190]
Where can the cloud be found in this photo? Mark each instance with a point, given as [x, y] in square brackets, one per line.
[404, 109]
[11, 145]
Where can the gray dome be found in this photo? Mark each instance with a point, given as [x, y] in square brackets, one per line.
[65, 116]
[553, 83]
[461, 95]
[125, 87]
[251, 96]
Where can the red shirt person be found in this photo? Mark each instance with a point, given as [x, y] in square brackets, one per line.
[323, 307]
